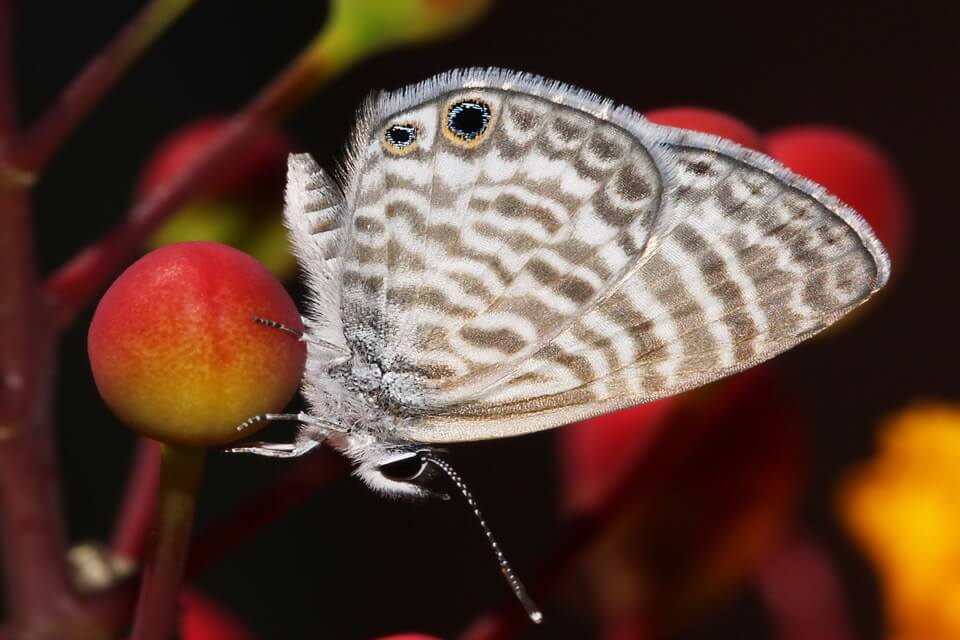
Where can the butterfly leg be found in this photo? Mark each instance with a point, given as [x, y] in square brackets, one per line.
[302, 418]
[278, 449]
[311, 434]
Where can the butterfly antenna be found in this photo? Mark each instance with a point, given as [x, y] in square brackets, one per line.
[518, 589]
[279, 326]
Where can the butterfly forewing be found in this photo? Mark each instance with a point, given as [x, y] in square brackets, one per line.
[466, 258]
[547, 257]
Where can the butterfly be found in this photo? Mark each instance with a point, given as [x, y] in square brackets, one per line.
[505, 254]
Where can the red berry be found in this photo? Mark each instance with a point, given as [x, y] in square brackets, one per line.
[176, 353]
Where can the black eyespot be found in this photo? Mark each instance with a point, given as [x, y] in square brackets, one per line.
[468, 119]
[404, 469]
[401, 136]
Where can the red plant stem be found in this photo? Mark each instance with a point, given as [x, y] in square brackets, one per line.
[180, 474]
[799, 586]
[290, 488]
[38, 588]
[135, 520]
[79, 280]
[37, 145]
[31, 520]
[8, 115]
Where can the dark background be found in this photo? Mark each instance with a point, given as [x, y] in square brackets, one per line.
[350, 565]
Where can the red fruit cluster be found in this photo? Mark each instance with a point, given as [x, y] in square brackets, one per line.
[175, 350]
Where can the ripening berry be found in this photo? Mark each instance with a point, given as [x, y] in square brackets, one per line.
[175, 350]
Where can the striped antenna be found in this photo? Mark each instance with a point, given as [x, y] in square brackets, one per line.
[518, 589]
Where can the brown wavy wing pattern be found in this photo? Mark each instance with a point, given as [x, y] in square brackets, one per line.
[751, 266]
[467, 258]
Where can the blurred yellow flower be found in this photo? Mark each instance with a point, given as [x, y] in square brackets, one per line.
[903, 507]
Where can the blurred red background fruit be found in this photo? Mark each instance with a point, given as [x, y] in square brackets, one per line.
[598, 454]
[259, 166]
[204, 619]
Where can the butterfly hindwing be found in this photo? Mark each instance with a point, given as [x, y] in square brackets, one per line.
[753, 266]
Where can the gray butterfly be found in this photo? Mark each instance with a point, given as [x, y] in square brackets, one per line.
[507, 254]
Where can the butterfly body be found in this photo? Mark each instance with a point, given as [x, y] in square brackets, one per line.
[507, 254]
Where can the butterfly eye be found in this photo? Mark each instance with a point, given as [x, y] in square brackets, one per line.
[468, 119]
[404, 470]
[400, 137]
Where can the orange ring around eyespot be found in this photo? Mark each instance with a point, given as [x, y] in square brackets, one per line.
[391, 148]
[480, 137]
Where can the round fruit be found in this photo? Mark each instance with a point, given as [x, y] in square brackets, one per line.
[175, 349]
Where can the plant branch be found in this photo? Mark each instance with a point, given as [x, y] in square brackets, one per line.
[8, 110]
[37, 582]
[35, 147]
[72, 287]
[31, 518]
[135, 520]
[180, 474]
[290, 488]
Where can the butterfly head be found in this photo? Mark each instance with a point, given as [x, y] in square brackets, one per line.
[390, 469]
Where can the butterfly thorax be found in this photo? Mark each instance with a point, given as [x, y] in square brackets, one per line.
[355, 394]
[387, 389]
[361, 396]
